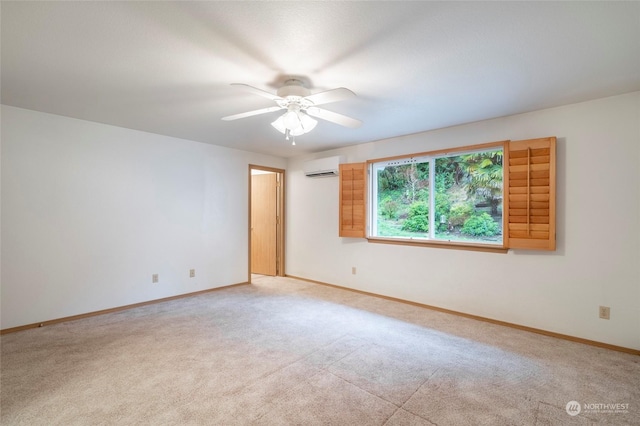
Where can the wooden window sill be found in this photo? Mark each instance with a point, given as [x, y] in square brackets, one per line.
[440, 244]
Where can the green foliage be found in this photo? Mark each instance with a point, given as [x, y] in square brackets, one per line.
[390, 179]
[416, 178]
[423, 171]
[389, 208]
[480, 225]
[484, 179]
[443, 206]
[403, 177]
[453, 168]
[444, 180]
[462, 183]
[459, 213]
[423, 195]
[418, 218]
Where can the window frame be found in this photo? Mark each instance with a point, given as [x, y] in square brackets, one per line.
[528, 203]
[433, 155]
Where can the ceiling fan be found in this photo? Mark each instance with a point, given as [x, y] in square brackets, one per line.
[300, 106]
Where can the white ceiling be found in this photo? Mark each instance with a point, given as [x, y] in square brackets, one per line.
[166, 67]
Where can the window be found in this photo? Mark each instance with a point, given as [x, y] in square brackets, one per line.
[491, 197]
[447, 197]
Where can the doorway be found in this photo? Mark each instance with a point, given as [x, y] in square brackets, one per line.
[266, 221]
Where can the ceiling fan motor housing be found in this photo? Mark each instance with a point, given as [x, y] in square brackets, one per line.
[293, 87]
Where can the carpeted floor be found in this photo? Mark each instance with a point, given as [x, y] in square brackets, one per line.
[283, 351]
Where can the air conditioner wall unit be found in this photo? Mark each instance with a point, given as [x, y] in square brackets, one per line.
[322, 167]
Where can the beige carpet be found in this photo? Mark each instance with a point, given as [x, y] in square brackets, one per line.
[283, 352]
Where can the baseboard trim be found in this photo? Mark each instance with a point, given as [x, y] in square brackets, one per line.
[111, 310]
[479, 318]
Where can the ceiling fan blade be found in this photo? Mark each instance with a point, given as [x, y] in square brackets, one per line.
[334, 117]
[333, 95]
[257, 91]
[251, 113]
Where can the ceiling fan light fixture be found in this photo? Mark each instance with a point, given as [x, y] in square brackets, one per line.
[297, 132]
[279, 124]
[296, 122]
[291, 120]
[307, 122]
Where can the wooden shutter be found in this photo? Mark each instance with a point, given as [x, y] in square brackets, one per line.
[530, 194]
[352, 200]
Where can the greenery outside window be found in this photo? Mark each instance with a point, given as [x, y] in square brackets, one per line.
[447, 197]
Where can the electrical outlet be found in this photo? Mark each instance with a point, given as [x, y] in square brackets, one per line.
[353, 270]
[154, 278]
[192, 273]
[605, 312]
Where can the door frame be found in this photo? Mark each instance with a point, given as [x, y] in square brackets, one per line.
[280, 178]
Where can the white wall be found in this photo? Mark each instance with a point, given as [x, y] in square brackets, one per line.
[90, 212]
[598, 218]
